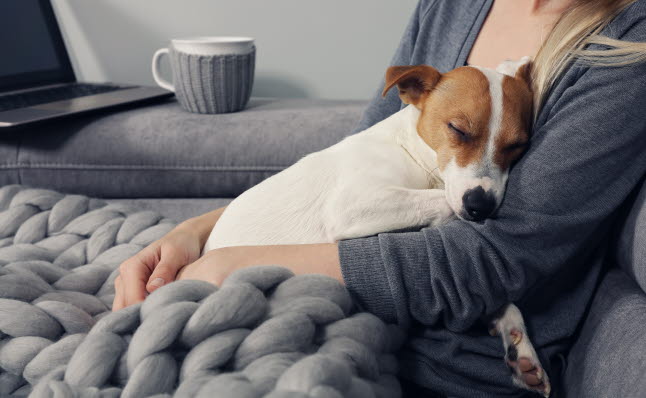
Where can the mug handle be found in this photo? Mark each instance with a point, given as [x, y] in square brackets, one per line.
[158, 79]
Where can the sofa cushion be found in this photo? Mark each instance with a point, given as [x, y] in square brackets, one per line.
[631, 244]
[607, 359]
[163, 151]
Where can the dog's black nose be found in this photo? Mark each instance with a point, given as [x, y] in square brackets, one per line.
[478, 204]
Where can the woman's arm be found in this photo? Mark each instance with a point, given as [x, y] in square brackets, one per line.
[588, 152]
[217, 264]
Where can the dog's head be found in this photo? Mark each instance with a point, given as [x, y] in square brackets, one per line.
[477, 120]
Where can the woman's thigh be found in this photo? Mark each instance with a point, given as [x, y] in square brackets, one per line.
[412, 390]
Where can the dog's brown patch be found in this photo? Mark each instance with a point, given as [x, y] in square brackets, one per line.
[512, 139]
[461, 97]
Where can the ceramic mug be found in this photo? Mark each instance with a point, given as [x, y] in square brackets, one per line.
[210, 74]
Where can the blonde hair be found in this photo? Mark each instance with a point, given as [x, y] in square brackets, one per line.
[579, 26]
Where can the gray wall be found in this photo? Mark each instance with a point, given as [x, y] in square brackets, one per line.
[306, 48]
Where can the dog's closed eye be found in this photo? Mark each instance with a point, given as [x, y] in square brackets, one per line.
[515, 146]
[461, 134]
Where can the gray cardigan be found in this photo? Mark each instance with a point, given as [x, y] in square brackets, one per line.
[545, 248]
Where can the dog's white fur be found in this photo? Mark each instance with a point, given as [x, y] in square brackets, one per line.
[384, 178]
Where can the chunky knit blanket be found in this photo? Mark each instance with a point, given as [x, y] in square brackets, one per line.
[263, 333]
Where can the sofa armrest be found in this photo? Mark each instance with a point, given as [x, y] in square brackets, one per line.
[163, 151]
[630, 248]
[607, 359]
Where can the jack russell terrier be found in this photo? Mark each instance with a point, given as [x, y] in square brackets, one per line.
[446, 154]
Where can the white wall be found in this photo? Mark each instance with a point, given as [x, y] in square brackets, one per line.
[306, 48]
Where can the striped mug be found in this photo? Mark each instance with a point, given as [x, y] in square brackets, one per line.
[210, 74]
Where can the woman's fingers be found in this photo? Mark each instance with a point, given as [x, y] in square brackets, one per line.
[155, 266]
[118, 302]
[134, 275]
[172, 259]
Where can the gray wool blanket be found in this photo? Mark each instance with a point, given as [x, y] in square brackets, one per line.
[263, 333]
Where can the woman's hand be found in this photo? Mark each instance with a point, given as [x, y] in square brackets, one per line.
[216, 265]
[155, 266]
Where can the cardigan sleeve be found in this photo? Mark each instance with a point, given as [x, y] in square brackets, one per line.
[586, 156]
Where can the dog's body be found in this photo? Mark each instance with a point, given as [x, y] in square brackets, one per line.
[409, 170]
[337, 194]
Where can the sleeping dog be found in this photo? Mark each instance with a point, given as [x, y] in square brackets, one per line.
[446, 155]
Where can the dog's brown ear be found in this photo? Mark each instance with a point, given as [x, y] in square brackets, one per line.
[524, 72]
[520, 69]
[414, 82]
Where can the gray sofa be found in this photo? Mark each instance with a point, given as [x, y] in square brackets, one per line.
[183, 164]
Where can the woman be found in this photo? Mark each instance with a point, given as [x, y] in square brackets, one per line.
[544, 249]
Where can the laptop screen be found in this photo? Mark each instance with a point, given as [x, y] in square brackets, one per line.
[33, 52]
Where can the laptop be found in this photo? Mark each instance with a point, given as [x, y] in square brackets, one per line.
[37, 82]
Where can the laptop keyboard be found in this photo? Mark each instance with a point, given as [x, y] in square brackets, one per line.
[44, 96]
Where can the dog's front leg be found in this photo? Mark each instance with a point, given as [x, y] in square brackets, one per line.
[388, 210]
[520, 355]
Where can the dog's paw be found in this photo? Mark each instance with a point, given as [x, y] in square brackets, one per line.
[520, 356]
[524, 364]
[442, 213]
